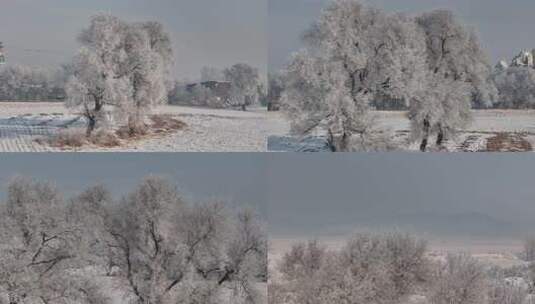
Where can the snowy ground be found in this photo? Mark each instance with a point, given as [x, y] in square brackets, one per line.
[491, 130]
[502, 253]
[208, 130]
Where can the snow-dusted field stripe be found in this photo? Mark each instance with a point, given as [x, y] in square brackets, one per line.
[208, 130]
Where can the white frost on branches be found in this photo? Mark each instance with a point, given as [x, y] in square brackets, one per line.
[356, 54]
[123, 67]
[149, 247]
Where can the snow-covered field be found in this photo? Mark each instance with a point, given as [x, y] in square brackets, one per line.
[491, 130]
[502, 253]
[208, 130]
[216, 130]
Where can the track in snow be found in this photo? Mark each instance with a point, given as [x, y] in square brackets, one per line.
[22, 138]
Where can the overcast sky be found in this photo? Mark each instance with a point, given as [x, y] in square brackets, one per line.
[205, 32]
[454, 195]
[310, 195]
[237, 179]
[504, 26]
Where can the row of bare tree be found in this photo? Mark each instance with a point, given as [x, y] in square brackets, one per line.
[391, 268]
[150, 246]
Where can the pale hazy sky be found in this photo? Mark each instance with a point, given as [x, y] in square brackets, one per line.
[237, 179]
[455, 195]
[309, 195]
[504, 26]
[205, 32]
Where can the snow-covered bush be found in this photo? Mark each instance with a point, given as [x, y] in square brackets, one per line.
[460, 280]
[500, 292]
[372, 269]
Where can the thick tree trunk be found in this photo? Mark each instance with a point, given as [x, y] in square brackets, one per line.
[440, 136]
[90, 126]
[425, 139]
[338, 143]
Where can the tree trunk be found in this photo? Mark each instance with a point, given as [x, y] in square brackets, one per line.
[244, 107]
[90, 126]
[427, 127]
[93, 118]
[440, 136]
[338, 143]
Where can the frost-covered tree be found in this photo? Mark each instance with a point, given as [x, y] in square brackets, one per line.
[152, 246]
[456, 69]
[276, 84]
[460, 280]
[353, 54]
[149, 59]
[163, 250]
[40, 248]
[244, 81]
[517, 87]
[96, 82]
[502, 293]
[302, 260]
[120, 65]
[529, 249]
[369, 269]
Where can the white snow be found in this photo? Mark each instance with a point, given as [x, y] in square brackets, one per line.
[208, 130]
[486, 124]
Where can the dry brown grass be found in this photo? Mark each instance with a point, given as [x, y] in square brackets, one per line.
[159, 124]
[165, 123]
[66, 139]
[73, 139]
[508, 142]
[103, 138]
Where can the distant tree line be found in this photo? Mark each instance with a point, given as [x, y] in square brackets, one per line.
[24, 83]
[239, 87]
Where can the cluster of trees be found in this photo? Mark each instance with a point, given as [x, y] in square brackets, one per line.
[516, 86]
[122, 69]
[238, 86]
[23, 83]
[355, 54]
[387, 268]
[148, 247]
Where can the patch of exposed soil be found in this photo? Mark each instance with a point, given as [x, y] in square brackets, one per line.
[508, 142]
